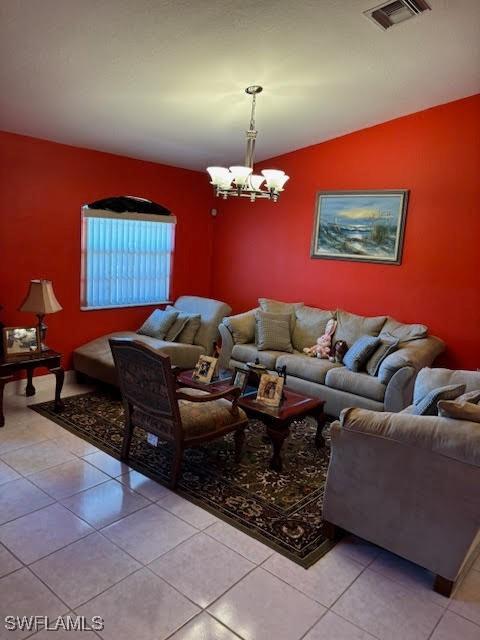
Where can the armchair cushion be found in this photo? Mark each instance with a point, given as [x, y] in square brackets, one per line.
[310, 324]
[350, 327]
[158, 323]
[200, 418]
[427, 406]
[242, 327]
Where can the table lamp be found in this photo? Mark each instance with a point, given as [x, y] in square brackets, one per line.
[41, 300]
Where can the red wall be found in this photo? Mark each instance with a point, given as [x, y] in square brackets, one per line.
[263, 249]
[42, 187]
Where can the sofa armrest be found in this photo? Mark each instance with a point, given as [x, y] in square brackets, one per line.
[226, 348]
[455, 439]
[417, 354]
[399, 391]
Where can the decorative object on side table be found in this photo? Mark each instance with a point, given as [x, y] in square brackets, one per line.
[270, 389]
[204, 369]
[41, 300]
[240, 379]
[20, 341]
[52, 360]
[366, 226]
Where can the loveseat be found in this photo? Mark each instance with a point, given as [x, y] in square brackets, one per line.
[94, 359]
[389, 390]
[424, 473]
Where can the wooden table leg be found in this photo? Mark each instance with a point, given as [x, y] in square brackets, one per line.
[278, 436]
[59, 377]
[321, 419]
[3, 382]
[30, 389]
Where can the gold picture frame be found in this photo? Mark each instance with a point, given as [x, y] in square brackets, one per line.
[205, 369]
[20, 341]
[270, 389]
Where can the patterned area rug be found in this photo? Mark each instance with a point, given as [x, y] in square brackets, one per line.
[283, 510]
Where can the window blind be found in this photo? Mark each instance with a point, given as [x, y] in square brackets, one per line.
[126, 259]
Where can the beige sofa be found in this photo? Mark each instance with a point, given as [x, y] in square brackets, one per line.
[390, 390]
[94, 359]
[409, 483]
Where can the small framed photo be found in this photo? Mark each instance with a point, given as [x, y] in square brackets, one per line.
[270, 389]
[204, 369]
[20, 341]
[240, 378]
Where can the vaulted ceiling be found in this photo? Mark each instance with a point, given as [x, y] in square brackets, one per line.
[164, 80]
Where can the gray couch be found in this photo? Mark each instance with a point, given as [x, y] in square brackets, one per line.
[390, 390]
[94, 359]
[409, 483]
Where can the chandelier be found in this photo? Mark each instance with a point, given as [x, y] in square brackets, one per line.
[240, 181]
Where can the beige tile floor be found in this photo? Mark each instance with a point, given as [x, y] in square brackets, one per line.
[82, 534]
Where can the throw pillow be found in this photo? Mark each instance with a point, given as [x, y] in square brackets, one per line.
[470, 396]
[386, 346]
[273, 332]
[190, 330]
[310, 324]
[242, 327]
[158, 323]
[427, 406]
[350, 327]
[459, 410]
[360, 351]
[178, 325]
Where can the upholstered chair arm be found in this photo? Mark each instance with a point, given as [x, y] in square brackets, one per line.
[229, 393]
[226, 348]
[417, 354]
[399, 391]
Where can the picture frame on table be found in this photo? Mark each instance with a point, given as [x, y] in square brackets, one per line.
[240, 379]
[20, 341]
[270, 389]
[205, 369]
[361, 226]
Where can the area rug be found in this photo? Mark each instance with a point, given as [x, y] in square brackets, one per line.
[282, 510]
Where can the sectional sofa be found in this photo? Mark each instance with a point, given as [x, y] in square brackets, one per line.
[390, 390]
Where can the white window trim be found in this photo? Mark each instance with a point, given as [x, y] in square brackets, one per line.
[103, 213]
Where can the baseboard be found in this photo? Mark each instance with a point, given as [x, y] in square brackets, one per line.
[46, 381]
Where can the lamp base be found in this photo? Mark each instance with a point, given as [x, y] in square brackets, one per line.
[42, 332]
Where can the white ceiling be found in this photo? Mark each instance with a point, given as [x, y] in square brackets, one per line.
[164, 80]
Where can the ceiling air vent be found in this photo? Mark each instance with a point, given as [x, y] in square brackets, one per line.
[392, 13]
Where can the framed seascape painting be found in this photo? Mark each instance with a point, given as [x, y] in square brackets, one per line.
[366, 226]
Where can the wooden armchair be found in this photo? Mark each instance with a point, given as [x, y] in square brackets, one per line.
[185, 417]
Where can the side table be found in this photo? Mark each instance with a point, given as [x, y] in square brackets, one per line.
[52, 360]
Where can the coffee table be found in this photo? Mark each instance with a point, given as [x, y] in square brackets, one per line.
[276, 419]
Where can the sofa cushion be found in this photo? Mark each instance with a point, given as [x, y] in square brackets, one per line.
[310, 324]
[242, 327]
[158, 323]
[356, 357]
[403, 332]
[189, 332]
[272, 332]
[429, 379]
[276, 306]
[386, 347]
[306, 368]
[350, 327]
[95, 359]
[249, 353]
[459, 410]
[358, 383]
[211, 314]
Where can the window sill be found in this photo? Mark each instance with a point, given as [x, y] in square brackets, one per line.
[125, 306]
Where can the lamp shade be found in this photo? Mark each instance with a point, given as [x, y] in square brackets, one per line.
[40, 298]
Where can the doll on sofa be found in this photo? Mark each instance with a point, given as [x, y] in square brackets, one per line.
[324, 344]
